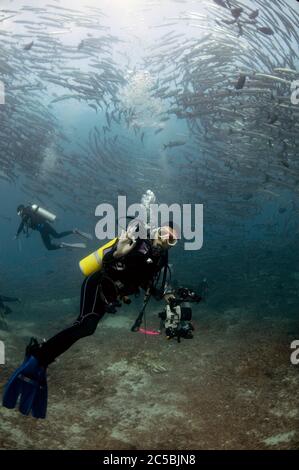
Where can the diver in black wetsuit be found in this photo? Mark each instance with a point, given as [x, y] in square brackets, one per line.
[32, 220]
[126, 268]
[129, 265]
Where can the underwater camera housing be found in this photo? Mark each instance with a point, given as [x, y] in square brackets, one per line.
[176, 317]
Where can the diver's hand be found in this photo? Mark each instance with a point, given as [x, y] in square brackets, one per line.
[169, 297]
[125, 244]
[15, 237]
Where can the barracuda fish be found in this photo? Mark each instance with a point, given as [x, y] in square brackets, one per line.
[207, 111]
[221, 3]
[28, 46]
[235, 126]
[174, 143]
[61, 31]
[6, 18]
[253, 15]
[283, 70]
[266, 30]
[273, 77]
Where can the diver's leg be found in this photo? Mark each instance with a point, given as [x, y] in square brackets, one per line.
[66, 233]
[47, 240]
[51, 231]
[92, 310]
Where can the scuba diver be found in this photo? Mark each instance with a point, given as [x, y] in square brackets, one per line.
[117, 270]
[35, 218]
[4, 310]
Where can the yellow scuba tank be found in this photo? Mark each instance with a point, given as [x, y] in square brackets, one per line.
[93, 262]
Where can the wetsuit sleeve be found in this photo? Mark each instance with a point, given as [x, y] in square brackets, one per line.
[25, 219]
[108, 258]
[21, 227]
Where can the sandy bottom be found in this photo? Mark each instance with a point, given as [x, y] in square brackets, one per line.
[231, 387]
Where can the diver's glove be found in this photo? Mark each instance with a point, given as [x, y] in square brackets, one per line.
[125, 245]
[168, 297]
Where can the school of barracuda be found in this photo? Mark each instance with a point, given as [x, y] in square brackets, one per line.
[228, 78]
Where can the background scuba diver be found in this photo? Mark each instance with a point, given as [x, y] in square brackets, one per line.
[32, 219]
[128, 266]
[4, 310]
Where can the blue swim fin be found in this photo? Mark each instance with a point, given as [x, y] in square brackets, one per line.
[29, 382]
[40, 402]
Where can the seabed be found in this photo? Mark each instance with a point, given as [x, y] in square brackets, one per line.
[231, 387]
